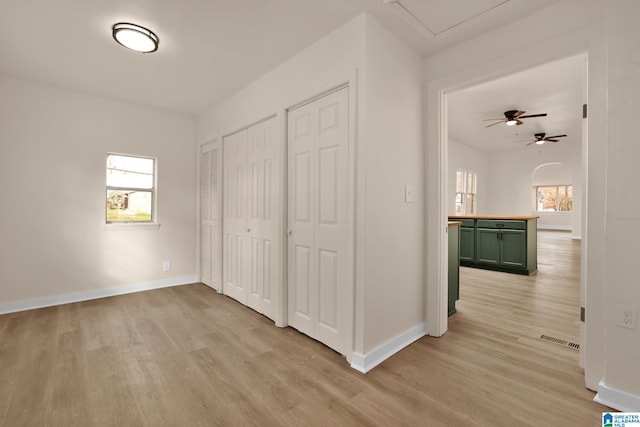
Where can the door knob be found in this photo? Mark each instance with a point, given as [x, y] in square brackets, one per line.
[289, 232]
[248, 230]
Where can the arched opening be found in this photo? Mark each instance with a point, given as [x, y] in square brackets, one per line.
[552, 194]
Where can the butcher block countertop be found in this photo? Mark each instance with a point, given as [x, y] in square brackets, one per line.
[517, 218]
[450, 223]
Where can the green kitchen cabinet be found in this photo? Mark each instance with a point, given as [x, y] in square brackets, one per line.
[513, 248]
[499, 243]
[454, 266]
[505, 248]
[488, 248]
[467, 243]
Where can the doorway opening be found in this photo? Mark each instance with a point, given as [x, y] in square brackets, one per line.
[504, 161]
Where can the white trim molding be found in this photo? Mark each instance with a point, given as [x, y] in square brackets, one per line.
[617, 399]
[366, 362]
[554, 227]
[94, 294]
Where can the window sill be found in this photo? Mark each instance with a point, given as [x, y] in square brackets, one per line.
[132, 226]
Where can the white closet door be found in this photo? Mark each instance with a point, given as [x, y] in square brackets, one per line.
[235, 216]
[318, 135]
[263, 214]
[210, 244]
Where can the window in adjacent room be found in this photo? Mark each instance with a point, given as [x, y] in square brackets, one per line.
[466, 184]
[553, 198]
[130, 189]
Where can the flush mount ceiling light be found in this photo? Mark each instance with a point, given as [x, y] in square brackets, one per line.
[135, 37]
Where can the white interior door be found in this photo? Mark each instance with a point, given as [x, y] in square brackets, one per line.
[252, 254]
[235, 221]
[318, 137]
[210, 251]
[264, 212]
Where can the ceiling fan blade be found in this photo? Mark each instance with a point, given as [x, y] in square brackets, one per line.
[488, 120]
[493, 124]
[532, 142]
[551, 140]
[518, 113]
[556, 136]
[518, 122]
[533, 115]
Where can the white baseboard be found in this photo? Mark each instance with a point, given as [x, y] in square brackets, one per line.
[366, 362]
[93, 294]
[554, 227]
[617, 399]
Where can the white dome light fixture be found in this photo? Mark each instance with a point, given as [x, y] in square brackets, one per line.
[135, 37]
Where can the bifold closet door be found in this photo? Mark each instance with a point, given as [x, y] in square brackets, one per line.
[210, 232]
[263, 214]
[235, 221]
[251, 252]
[318, 136]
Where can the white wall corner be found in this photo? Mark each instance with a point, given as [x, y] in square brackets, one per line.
[94, 294]
[366, 362]
[617, 399]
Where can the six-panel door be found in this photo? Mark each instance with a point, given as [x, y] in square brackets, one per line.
[318, 135]
[251, 211]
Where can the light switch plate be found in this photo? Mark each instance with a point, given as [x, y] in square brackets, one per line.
[409, 193]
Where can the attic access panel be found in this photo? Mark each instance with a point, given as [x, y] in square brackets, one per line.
[439, 16]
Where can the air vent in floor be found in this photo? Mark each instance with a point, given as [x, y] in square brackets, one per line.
[560, 341]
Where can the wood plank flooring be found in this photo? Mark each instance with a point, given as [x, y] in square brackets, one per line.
[187, 356]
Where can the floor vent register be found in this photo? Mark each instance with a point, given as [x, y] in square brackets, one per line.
[560, 341]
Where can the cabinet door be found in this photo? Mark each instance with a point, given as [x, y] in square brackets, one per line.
[513, 248]
[467, 244]
[488, 246]
[454, 267]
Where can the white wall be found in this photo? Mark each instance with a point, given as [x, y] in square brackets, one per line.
[511, 182]
[462, 156]
[52, 181]
[394, 248]
[622, 371]
[389, 232]
[505, 181]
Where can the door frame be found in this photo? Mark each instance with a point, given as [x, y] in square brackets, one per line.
[351, 85]
[436, 223]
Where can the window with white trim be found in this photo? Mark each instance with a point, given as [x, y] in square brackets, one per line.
[466, 184]
[553, 198]
[131, 189]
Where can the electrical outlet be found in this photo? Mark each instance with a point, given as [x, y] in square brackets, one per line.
[166, 266]
[628, 318]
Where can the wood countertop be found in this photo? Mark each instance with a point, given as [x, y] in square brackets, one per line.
[451, 223]
[517, 218]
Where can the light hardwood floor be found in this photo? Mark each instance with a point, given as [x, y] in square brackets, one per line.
[186, 356]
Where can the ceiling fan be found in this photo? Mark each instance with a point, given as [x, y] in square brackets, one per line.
[541, 138]
[513, 117]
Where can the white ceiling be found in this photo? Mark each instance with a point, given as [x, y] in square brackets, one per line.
[209, 49]
[555, 88]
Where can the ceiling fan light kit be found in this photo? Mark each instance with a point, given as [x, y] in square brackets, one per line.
[540, 138]
[513, 117]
